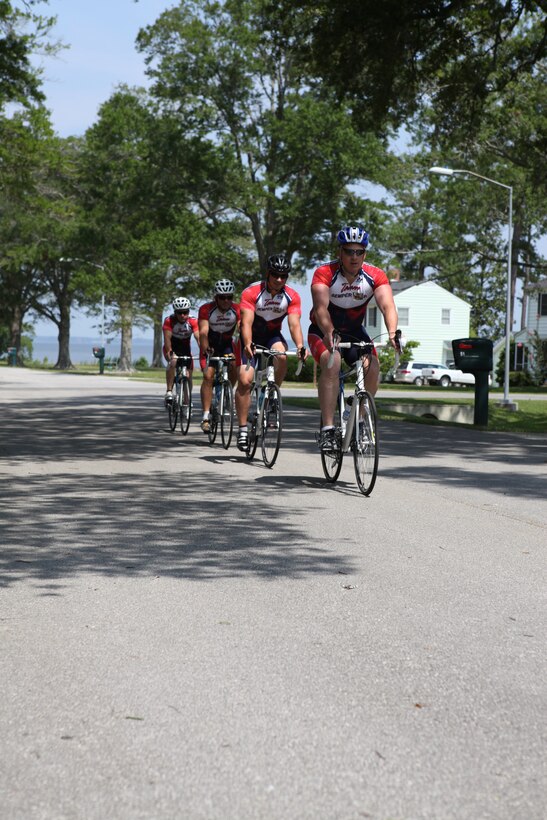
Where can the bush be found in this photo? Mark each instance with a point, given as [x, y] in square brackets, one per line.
[307, 370]
[519, 378]
[141, 364]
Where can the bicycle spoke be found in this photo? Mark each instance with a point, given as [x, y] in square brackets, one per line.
[186, 406]
[226, 414]
[272, 423]
[252, 427]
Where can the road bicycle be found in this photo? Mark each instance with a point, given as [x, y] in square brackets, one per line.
[355, 421]
[222, 404]
[265, 418]
[355, 424]
[181, 405]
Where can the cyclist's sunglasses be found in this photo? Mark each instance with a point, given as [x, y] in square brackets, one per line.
[354, 251]
[182, 312]
[225, 296]
[278, 275]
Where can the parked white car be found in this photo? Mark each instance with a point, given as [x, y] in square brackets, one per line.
[411, 372]
[445, 376]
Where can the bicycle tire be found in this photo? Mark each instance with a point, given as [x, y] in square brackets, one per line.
[173, 411]
[252, 427]
[213, 424]
[365, 443]
[185, 406]
[272, 424]
[226, 414]
[332, 460]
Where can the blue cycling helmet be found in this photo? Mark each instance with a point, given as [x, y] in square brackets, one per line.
[351, 233]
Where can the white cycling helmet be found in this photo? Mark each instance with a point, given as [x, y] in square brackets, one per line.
[350, 234]
[181, 303]
[224, 288]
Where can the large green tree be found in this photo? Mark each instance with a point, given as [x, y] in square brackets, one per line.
[288, 150]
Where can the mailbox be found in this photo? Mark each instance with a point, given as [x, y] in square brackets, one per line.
[476, 356]
[473, 355]
[98, 352]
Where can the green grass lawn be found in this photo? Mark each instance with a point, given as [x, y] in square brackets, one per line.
[531, 417]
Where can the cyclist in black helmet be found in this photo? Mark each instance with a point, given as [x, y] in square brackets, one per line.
[264, 306]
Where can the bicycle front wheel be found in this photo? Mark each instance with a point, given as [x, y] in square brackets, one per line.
[272, 424]
[173, 410]
[213, 423]
[365, 444]
[185, 406]
[331, 460]
[226, 414]
[252, 427]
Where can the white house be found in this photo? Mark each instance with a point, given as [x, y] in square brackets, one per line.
[535, 322]
[428, 314]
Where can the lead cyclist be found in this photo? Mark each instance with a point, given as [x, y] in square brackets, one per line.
[341, 291]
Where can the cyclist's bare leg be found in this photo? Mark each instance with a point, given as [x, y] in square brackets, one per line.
[328, 387]
[170, 372]
[372, 374]
[243, 393]
[232, 373]
[280, 363]
[206, 390]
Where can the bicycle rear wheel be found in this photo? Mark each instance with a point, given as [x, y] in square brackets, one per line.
[213, 424]
[226, 414]
[173, 410]
[272, 424]
[185, 406]
[365, 444]
[331, 460]
[252, 427]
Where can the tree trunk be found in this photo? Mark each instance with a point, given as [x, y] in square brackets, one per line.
[126, 324]
[16, 325]
[63, 358]
[157, 354]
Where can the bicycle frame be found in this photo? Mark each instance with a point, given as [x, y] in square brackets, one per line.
[266, 417]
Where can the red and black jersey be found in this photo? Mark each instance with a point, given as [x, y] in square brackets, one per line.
[269, 309]
[348, 302]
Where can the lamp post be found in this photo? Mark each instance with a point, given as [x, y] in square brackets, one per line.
[452, 172]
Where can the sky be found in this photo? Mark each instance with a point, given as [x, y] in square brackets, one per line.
[100, 38]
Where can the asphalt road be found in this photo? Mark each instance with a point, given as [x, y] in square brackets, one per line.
[186, 635]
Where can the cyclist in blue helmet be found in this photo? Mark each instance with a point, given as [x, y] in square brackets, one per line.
[341, 291]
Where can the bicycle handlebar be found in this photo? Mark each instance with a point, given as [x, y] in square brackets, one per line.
[270, 351]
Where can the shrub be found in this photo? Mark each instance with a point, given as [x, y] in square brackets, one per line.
[141, 364]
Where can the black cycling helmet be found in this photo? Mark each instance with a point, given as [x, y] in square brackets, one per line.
[278, 263]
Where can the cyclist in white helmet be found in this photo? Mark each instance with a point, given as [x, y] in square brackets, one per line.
[341, 291]
[218, 321]
[178, 329]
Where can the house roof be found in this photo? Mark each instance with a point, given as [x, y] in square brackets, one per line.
[404, 284]
[533, 287]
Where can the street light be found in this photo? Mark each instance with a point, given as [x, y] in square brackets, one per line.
[452, 172]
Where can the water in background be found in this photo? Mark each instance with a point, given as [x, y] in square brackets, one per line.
[81, 349]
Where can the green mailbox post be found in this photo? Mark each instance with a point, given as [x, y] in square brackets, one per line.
[98, 352]
[476, 356]
[12, 357]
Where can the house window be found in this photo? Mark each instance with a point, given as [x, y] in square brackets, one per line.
[543, 304]
[445, 316]
[403, 316]
[373, 316]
